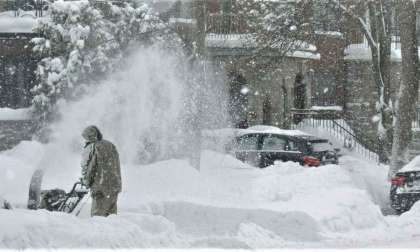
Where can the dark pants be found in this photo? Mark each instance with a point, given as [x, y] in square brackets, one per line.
[104, 205]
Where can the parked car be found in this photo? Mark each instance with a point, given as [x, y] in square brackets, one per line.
[405, 186]
[261, 146]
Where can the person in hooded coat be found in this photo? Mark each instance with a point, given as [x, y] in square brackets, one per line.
[101, 172]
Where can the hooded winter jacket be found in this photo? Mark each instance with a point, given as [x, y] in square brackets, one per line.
[100, 164]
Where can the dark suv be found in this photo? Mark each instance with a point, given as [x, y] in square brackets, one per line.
[405, 190]
[262, 149]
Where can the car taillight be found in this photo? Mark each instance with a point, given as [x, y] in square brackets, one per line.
[311, 161]
[398, 180]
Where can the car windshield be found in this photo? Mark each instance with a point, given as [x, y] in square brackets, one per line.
[320, 145]
[273, 143]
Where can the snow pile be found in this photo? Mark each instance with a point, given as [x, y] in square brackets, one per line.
[41, 229]
[9, 114]
[333, 195]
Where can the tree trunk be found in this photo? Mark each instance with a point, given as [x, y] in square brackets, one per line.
[407, 96]
[384, 39]
[379, 16]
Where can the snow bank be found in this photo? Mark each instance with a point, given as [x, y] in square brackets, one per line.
[42, 229]
[333, 195]
[14, 114]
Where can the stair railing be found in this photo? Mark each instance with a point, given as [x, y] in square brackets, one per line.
[333, 123]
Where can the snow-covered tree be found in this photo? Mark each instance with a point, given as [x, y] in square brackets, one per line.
[276, 25]
[82, 41]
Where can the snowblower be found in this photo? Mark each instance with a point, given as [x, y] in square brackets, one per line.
[55, 199]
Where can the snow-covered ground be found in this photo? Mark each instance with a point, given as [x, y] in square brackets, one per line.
[225, 204]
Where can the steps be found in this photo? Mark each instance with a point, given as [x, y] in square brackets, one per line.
[341, 132]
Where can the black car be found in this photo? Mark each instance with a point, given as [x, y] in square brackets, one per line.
[405, 190]
[262, 149]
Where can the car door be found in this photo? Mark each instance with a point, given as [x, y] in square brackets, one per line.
[273, 148]
[295, 150]
[246, 149]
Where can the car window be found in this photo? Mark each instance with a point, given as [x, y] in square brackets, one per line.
[293, 146]
[274, 143]
[247, 142]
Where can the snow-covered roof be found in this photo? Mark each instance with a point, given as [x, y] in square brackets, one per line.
[8, 114]
[190, 21]
[304, 55]
[246, 41]
[335, 108]
[21, 24]
[362, 52]
[334, 34]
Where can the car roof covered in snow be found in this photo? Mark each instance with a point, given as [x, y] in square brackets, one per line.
[265, 129]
